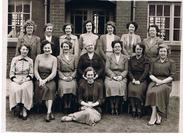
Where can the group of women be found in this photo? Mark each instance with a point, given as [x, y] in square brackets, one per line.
[93, 69]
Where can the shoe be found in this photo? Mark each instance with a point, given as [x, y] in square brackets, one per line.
[139, 114]
[24, 117]
[66, 119]
[158, 120]
[116, 111]
[52, 116]
[133, 114]
[47, 119]
[151, 124]
[112, 112]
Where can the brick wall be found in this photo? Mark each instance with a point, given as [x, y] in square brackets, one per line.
[38, 15]
[141, 18]
[57, 15]
[123, 16]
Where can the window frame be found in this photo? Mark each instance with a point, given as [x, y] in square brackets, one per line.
[171, 28]
[22, 3]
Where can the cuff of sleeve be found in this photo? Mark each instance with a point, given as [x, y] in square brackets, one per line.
[12, 78]
[29, 77]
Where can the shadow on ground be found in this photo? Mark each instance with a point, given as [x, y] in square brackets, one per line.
[119, 124]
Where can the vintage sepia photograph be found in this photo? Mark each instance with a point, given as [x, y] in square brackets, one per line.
[92, 66]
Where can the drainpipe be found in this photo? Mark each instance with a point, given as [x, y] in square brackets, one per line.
[133, 10]
[45, 10]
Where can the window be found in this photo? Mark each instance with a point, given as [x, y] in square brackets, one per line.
[18, 12]
[167, 17]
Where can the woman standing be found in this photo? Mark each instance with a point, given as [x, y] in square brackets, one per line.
[48, 35]
[130, 39]
[162, 74]
[67, 29]
[138, 70]
[116, 72]
[87, 37]
[30, 40]
[67, 75]
[152, 42]
[45, 71]
[21, 86]
[90, 97]
[104, 46]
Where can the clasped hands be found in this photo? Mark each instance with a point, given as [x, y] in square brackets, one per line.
[68, 78]
[117, 78]
[137, 82]
[21, 81]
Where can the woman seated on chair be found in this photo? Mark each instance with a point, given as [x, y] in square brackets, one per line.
[90, 96]
[138, 70]
[116, 72]
[21, 86]
[67, 75]
[162, 74]
[45, 71]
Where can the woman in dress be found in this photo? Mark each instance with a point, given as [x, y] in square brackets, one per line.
[21, 86]
[152, 42]
[67, 75]
[130, 39]
[104, 44]
[90, 59]
[116, 72]
[45, 71]
[87, 37]
[90, 98]
[30, 40]
[48, 35]
[68, 36]
[138, 72]
[162, 74]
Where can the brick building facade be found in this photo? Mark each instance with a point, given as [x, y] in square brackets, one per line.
[76, 11]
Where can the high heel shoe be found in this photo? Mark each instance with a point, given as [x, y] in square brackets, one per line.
[158, 120]
[116, 111]
[112, 112]
[47, 119]
[151, 123]
[52, 116]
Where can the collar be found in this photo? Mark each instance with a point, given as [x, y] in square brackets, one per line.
[158, 60]
[23, 58]
[71, 36]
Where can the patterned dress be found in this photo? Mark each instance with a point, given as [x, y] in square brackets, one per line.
[21, 68]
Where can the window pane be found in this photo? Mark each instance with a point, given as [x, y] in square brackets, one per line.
[167, 10]
[159, 10]
[167, 22]
[151, 20]
[26, 17]
[176, 22]
[10, 8]
[19, 8]
[101, 25]
[78, 24]
[9, 19]
[166, 35]
[27, 8]
[151, 10]
[177, 11]
[176, 35]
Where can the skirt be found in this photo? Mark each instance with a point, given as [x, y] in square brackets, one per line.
[65, 87]
[87, 116]
[137, 91]
[115, 88]
[21, 94]
[158, 96]
[46, 92]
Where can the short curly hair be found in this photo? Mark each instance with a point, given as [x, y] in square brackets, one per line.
[67, 42]
[29, 23]
[48, 24]
[65, 25]
[28, 47]
[89, 69]
[132, 22]
[111, 23]
[141, 44]
[156, 27]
